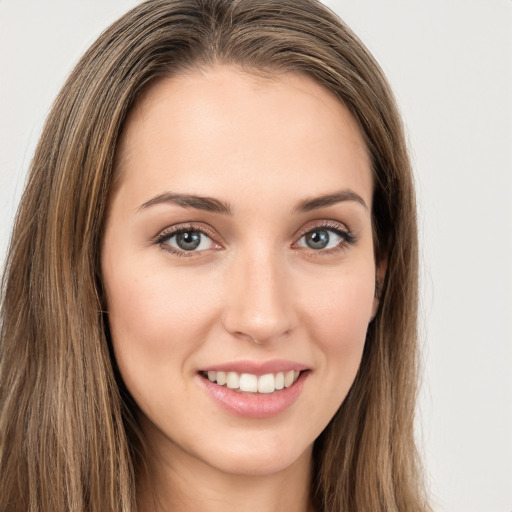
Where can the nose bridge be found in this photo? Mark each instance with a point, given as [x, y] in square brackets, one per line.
[259, 305]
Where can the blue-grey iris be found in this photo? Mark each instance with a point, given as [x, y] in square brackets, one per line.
[317, 239]
[188, 240]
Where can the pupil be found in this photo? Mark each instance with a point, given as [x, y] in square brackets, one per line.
[189, 240]
[317, 239]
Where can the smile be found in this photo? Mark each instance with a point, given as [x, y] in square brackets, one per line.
[251, 383]
[255, 390]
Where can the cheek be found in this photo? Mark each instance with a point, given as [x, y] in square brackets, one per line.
[339, 315]
[154, 305]
[159, 317]
[336, 314]
[155, 322]
[136, 309]
[342, 306]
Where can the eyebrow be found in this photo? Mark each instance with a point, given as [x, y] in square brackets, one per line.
[208, 204]
[211, 204]
[324, 201]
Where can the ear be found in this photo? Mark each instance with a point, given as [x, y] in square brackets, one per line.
[380, 276]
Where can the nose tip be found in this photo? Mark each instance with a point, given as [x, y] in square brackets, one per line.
[260, 327]
[260, 308]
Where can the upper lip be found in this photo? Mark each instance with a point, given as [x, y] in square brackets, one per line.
[257, 367]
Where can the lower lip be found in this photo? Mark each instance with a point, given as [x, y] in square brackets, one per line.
[255, 405]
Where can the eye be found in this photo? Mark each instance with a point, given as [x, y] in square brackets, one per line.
[325, 239]
[186, 240]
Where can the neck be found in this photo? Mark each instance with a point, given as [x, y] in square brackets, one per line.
[185, 484]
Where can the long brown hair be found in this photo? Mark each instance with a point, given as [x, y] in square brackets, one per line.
[68, 440]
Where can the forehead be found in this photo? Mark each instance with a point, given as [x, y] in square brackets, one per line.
[205, 129]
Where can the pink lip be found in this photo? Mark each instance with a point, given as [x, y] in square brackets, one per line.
[257, 367]
[254, 405]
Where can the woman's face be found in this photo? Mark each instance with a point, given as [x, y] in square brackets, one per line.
[238, 247]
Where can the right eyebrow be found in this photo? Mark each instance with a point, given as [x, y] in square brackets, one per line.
[208, 204]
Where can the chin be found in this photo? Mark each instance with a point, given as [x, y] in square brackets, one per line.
[260, 458]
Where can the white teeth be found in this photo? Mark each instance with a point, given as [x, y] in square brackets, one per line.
[250, 383]
[288, 379]
[233, 380]
[279, 381]
[266, 383]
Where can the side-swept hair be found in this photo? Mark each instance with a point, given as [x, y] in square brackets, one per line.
[68, 439]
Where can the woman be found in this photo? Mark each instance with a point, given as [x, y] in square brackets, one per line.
[210, 294]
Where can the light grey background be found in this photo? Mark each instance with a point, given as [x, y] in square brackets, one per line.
[450, 64]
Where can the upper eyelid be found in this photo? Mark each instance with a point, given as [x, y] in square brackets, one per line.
[180, 228]
[326, 224]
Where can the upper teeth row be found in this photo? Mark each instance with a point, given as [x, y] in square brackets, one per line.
[252, 383]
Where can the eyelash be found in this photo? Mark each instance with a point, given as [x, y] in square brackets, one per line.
[165, 235]
[347, 238]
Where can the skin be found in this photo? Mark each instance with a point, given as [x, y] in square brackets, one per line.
[261, 146]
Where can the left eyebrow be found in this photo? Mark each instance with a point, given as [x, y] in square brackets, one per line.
[324, 201]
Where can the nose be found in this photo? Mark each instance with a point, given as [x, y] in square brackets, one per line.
[259, 305]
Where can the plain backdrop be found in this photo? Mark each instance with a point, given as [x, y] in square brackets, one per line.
[450, 65]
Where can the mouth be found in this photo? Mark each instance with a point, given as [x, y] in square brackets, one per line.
[255, 390]
[267, 384]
